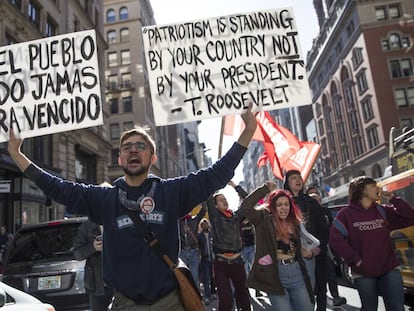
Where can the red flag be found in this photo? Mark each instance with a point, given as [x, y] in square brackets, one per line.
[285, 144]
[269, 154]
[304, 159]
[282, 149]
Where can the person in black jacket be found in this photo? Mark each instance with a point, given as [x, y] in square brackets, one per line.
[205, 243]
[315, 222]
[229, 272]
[88, 245]
[189, 251]
[330, 265]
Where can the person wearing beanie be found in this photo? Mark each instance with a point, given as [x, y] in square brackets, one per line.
[315, 222]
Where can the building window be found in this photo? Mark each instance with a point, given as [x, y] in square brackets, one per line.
[114, 156]
[318, 109]
[127, 104]
[17, 3]
[114, 129]
[354, 121]
[337, 108]
[404, 97]
[123, 13]
[112, 59]
[50, 28]
[111, 36]
[34, 13]
[406, 122]
[357, 57]
[401, 68]
[85, 166]
[327, 166]
[345, 153]
[372, 135]
[321, 127]
[129, 125]
[394, 10]
[381, 13]
[338, 48]
[406, 43]
[358, 146]
[125, 57]
[367, 109]
[361, 82]
[324, 148]
[395, 42]
[350, 29]
[391, 11]
[385, 45]
[110, 16]
[331, 141]
[124, 33]
[114, 105]
[341, 132]
[112, 82]
[126, 80]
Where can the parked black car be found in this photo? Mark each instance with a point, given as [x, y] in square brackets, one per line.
[40, 261]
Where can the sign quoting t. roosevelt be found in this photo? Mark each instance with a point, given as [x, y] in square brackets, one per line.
[50, 85]
[217, 66]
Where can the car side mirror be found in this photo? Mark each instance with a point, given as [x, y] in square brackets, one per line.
[3, 297]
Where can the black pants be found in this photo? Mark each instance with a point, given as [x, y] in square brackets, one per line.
[321, 273]
[101, 303]
[331, 278]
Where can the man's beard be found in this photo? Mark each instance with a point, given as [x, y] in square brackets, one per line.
[136, 172]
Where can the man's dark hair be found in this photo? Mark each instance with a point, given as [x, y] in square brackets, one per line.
[357, 186]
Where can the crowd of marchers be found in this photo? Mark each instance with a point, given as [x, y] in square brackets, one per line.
[256, 245]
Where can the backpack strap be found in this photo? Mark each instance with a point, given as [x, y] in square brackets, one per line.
[382, 211]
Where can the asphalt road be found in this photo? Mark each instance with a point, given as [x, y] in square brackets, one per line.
[353, 302]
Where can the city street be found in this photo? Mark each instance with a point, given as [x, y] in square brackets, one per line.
[351, 295]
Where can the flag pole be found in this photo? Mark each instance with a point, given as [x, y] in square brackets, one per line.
[220, 147]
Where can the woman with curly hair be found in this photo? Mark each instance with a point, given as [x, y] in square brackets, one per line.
[278, 268]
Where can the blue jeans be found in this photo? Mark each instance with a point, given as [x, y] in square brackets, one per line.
[247, 253]
[296, 297]
[191, 259]
[389, 285]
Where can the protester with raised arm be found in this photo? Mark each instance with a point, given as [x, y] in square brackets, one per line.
[138, 276]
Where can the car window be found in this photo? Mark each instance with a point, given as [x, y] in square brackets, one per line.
[43, 243]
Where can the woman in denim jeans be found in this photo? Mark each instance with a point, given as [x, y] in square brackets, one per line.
[360, 234]
[278, 268]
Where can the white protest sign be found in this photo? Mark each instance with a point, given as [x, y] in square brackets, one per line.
[217, 66]
[50, 85]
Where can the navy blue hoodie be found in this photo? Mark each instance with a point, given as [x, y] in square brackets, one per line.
[129, 265]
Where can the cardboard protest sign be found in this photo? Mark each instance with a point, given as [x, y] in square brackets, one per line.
[50, 85]
[217, 66]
